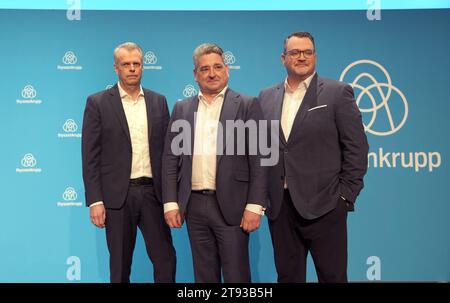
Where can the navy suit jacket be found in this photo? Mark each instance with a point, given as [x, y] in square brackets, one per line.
[106, 146]
[326, 154]
[240, 179]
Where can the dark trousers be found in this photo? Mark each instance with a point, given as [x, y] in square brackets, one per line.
[325, 238]
[141, 209]
[216, 246]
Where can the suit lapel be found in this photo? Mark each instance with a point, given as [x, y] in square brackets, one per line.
[277, 110]
[191, 119]
[309, 101]
[229, 110]
[116, 103]
[149, 105]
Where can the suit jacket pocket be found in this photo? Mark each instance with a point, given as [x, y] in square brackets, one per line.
[349, 206]
[319, 107]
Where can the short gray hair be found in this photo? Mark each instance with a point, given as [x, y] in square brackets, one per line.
[206, 49]
[129, 46]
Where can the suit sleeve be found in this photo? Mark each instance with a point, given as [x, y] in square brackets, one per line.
[170, 163]
[354, 145]
[257, 192]
[91, 152]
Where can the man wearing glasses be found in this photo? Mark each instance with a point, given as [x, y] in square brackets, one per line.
[221, 193]
[323, 159]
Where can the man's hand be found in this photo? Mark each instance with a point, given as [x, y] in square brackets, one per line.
[173, 218]
[250, 221]
[98, 215]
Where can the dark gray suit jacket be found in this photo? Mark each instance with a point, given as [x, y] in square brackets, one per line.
[106, 145]
[239, 178]
[326, 154]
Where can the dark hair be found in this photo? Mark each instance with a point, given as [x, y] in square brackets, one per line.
[299, 35]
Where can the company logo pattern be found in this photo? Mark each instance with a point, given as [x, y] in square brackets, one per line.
[379, 97]
[69, 58]
[70, 194]
[28, 92]
[70, 126]
[28, 161]
[150, 58]
[229, 58]
[189, 91]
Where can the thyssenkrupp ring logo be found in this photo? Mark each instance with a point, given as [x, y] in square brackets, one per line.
[70, 126]
[69, 194]
[28, 92]
[229, 58]
[28, 161]
[150, 58]
[189, 91]
[378, 102]
[69, 58]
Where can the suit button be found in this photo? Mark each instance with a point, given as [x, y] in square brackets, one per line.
[285, 151]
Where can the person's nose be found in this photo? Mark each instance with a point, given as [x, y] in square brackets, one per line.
[212, 73]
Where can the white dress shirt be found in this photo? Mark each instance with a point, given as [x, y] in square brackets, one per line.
[291, 103]
[136, 115]
[205, 148]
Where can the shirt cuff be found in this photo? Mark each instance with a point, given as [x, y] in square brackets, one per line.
[170, 206]
[96, 203]
[255, 208]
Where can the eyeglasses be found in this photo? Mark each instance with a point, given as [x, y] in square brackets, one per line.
[296, 53]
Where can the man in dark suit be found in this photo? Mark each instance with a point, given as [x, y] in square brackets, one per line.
[219, 191]
[323, 159]
[122, 146]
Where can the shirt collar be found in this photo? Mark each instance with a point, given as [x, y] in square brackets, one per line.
[305, 83]
[123, 93]
[219, 95]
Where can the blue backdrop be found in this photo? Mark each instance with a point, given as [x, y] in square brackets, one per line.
[400, 71]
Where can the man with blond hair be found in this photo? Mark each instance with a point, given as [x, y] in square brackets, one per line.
[122, 140]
